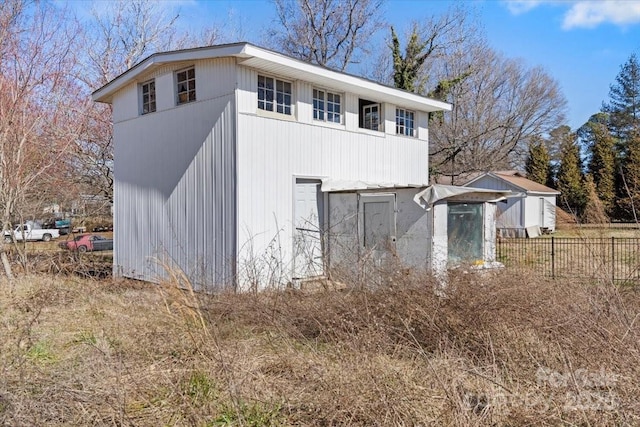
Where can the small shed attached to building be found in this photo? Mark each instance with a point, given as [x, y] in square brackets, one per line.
[532, 206]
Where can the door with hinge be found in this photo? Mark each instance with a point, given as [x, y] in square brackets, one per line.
[308, 245]
[377, 224]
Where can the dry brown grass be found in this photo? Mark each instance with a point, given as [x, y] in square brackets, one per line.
[500, 349]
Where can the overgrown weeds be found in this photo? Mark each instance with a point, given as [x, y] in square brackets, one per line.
[499, 349]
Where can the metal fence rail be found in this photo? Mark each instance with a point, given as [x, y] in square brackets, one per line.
[614, 259]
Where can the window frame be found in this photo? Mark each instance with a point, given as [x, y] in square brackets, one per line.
[407, 127]
[188, 90]
[275, 95]
[370, 107]
[328, 107]
[461, 249]
[152, 101]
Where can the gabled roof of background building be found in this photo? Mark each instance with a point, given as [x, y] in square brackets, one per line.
[274, 63]
[517, 179]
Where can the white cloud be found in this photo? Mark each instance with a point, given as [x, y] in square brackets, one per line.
[518, 7]
[590, 14]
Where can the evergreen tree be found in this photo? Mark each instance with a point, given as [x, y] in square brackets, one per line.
[594, 211]
[624, 105]
[538, 163]
[630, 202]
[600, 144]
[407, 67]
[570, 181]
[624, 124]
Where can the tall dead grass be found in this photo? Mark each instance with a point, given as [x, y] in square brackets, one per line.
[500, 349]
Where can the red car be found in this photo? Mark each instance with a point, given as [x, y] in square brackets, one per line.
[88, 242]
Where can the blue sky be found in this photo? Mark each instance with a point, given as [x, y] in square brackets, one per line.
[582, 44]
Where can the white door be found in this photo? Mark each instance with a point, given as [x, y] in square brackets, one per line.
[377, 222]
[542, 208]
[308, 260]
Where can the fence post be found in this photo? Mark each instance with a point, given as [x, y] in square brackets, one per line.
[613, 260]
[553, 258]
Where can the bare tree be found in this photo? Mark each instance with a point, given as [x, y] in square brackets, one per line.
[499, 104]
[498, 107]
[220, 30]
[38, 111]
[332, 33]
[120, 35]
[428, 43]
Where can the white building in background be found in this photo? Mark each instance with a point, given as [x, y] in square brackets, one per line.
[244, 167]
[532, 206]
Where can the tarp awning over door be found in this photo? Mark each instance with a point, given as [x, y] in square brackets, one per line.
[434, 193]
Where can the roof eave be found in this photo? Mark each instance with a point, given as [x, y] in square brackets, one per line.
[515, 186]
[543, 193]
[337, 79]
[106, 92]
[250, 55]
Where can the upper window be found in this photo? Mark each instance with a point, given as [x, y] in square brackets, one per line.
[404, 122]
[370, 115]
[327, 106]
[148, 97]
[274, 95]
[186, 85]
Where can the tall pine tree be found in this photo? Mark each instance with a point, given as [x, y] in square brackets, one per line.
[600, 143]
[538, 163]
[624, 105]
[630, 201]
[594, 211]
[570, 181]
[624, 123]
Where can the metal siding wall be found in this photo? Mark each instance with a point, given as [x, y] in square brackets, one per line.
[511, 214]
[489, 244]
[413, 231]
[531, 211]
[125, 103]
[214, 78]
[271, 152]
[490, 183]
[422, 125]
[304, 104]
[343, 239]
[175, 193]
[247, 90]
[166, 98]
[550, 211]
[440, 238]
[351, 115]
[219, 75]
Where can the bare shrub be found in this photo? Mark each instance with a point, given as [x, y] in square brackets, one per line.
[502, 348]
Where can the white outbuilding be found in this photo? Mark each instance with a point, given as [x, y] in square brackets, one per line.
[529, 211]
[245, 168]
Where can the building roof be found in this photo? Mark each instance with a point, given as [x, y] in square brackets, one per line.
[517, 180]
[276, 63]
